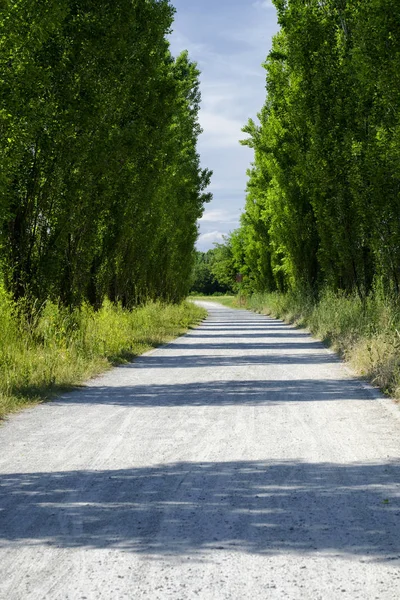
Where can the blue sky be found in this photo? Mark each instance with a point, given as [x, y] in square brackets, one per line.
[229, 39]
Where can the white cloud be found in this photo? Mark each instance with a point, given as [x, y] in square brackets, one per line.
[220, 216]
[207, 240]
[229, 40]
[213, 215]
[215, 224]
[219, 131]
[198, 51]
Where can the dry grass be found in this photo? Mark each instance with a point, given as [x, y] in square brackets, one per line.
[365, 333]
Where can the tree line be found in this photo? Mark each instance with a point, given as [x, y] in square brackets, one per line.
[323, 195]
[214, 271]
[100, 181]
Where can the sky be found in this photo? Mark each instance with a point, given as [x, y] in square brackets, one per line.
[229, 40]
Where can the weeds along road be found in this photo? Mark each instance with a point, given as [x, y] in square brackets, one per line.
[240, 461]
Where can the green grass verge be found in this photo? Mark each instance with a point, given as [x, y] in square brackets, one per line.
[367, 334]
[58, 350]
[230, 301]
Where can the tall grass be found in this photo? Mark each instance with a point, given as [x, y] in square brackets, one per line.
[366, 333]
[55, 348]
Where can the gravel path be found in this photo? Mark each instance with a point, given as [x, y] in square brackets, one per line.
[241, 461]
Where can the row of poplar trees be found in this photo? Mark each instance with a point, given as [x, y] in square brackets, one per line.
[323, 198]
[100, 180]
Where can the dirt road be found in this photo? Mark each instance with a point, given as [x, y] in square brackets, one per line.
[241, 461]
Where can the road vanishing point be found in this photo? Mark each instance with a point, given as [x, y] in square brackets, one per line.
[241, 461]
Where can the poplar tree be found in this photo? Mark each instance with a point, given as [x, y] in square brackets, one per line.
[100, 181]
[323, 194]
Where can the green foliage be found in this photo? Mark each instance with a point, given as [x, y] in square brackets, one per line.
[100, 180]
[227, 261]
[323, 192]
[58, 348]
[204, 280]
[320, 235]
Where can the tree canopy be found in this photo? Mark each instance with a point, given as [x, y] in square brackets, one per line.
[100, 182]
[323, 195]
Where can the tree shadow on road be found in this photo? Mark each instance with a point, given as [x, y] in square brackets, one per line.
[243, 334]
[250, 346]
[198, 507]
[221, 393]
[239, 359]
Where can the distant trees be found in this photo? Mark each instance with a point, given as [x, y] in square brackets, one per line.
[209, 275]
[100, 180]
[323, 198]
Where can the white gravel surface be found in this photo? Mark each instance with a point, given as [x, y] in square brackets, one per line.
[241, 461]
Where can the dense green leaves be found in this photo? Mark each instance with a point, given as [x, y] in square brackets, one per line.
[323, 194]
[100, 182]
[206, 272]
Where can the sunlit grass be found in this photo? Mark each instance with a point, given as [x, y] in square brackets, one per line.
[57, 349]
[230, 301]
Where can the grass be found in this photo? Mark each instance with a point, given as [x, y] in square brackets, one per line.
[58, 349]
[230, 301]
[365, 333]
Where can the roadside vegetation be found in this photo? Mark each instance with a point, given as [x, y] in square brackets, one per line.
[210, 277]
[56, 348]
[101, 184]
[101, 188]
[365, 333]
[319, 239]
